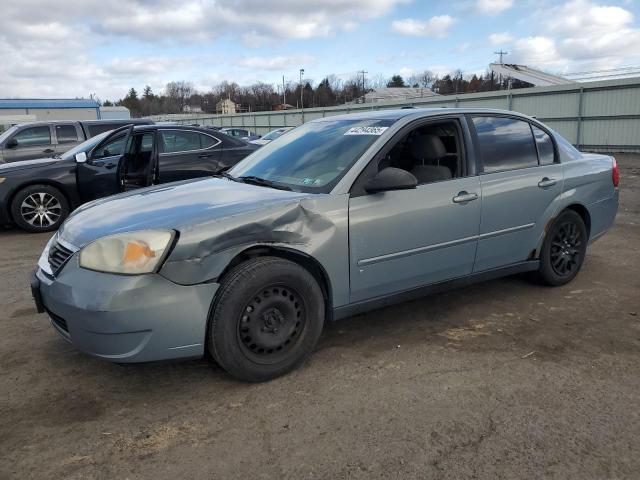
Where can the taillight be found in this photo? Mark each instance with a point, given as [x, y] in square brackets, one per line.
[615, 173]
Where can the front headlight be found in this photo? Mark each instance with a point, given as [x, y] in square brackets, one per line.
[127, 253]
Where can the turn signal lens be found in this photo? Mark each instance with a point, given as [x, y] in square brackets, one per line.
[128, 253]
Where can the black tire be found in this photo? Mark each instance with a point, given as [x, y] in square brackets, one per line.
[267, 318]
[563, 250]
[39, 208]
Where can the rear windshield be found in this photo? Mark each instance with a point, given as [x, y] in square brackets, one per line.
[314, 156]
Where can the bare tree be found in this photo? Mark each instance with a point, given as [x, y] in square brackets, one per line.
[178, 94]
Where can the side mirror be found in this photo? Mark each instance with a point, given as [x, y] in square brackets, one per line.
[13, 143]
[389, 179]
[81, 157]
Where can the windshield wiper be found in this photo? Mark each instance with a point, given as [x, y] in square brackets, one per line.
[263, 182]
[229, 176]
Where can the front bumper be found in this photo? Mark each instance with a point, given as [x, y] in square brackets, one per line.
[125, 319]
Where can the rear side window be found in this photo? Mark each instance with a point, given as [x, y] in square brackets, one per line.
[546, 154]
[505, 144]
[66, 133]
[30, 137]
[207, 141]
[174, 141]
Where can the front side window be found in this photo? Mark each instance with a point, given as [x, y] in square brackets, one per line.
[33, 136]
[546, 153]
[174, 141]
[85, 146]
[314, 156]
[505, 144]
[66, 133]
[112, 148]
[432, 153]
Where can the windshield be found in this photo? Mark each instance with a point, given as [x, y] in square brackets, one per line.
[275, 134]
[84, 146]
[7, 133]
[314, 156]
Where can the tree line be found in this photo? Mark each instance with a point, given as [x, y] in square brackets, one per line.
[330, 91]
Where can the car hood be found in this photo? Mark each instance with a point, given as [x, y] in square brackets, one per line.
[26, 164]
[182, 206]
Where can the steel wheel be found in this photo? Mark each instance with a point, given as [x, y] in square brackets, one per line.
[566, 249]
[41, 209]
[266, 319]
[270, 324]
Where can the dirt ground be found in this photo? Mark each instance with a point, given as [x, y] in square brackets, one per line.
[505, 379]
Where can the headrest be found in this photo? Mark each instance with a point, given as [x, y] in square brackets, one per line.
[427, 147]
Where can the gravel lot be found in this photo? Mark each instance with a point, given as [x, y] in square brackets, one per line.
[506, 379]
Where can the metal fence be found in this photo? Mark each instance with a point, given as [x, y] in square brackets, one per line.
[602, 115]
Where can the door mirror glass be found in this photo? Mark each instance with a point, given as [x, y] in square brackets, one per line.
[391, 178]
[13, 143]
[81, 157]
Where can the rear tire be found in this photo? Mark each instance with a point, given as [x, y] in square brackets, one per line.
[39, 208]
[267, 319]
[563, 250]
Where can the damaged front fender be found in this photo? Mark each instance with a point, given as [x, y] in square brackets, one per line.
[314, 226]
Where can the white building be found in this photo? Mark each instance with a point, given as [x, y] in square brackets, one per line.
[114, 113]
[226, 106]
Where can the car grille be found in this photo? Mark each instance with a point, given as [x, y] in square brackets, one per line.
[58, 256]
[59, 321]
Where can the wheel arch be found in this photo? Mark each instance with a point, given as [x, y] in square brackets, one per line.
[306, 261]
[584, 214]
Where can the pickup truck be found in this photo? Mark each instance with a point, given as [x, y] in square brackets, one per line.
[27, 141]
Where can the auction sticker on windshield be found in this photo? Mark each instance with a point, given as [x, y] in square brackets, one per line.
[366, 131]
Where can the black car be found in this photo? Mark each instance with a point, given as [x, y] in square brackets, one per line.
[37, 195]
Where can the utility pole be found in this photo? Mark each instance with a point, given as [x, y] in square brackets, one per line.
[501, 53]
[363, 72]
[284, 95]
[301, 98]
[301, 92]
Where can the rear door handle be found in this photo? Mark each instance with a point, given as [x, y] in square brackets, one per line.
[464, 197]
[48, 150]
[547, 182]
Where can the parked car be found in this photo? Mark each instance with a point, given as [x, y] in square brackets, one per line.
[27, 141]
[271, 136]
[240, 133]
[37, 195]
[342, 215]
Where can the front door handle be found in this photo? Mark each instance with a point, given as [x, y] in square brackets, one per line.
[464, 197]
[547, 182]
[48, 150]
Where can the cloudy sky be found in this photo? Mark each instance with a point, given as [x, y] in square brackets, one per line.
[69, 48]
